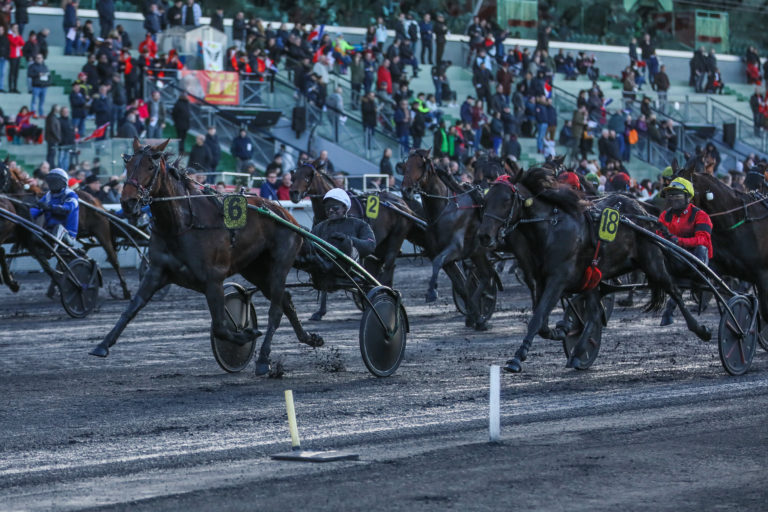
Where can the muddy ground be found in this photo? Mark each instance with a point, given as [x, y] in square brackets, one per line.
[655, 424]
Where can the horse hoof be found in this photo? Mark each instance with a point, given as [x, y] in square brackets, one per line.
[482, 326]
[431, 296]
[253, 333]
[314, 340]
[262, 368]
[705, 334]
[513, 366]
[99, 351]
[666, 320]
[316, 317]
[626, 303]
[468, 322]
[14, 287]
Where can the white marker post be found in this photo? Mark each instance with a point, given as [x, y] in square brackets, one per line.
[494, 424]
[289, 408]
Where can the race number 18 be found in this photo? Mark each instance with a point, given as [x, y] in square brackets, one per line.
[609, 224]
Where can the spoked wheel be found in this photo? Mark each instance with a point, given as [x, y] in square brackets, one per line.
[143, 267]
[383, 346]
[574, 315]
[487, 300]
[737, 349]
[358, 299]
[608, 301]
[79, 297]
[240, 315]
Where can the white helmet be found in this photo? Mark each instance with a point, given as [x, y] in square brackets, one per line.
[60, 172]
[340, 195]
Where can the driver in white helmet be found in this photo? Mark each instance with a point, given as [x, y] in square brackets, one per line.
[60, 207]
[352, 236]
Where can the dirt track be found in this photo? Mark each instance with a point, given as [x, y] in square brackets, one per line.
[656, 423]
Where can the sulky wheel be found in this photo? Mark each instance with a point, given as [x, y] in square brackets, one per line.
[162, 292]
[575, 330]
[240, 315]
[458, 300]
[80, 293]
[358, 299]
[383, 346]
[736, 350]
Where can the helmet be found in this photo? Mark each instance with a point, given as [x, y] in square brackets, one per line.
[57, 179]
[339, 195]
[679, 184]
[592, 178]
[667, 172]
[570, 179]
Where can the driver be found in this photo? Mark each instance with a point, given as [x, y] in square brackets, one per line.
[685, 225]
[60, 206]
[352, 236]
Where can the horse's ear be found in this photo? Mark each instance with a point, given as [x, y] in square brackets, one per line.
[675, 166]
[136, 145]
[160, 147]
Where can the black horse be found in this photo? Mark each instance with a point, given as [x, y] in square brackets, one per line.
[559, 229]
[191, 247]
[453, 216]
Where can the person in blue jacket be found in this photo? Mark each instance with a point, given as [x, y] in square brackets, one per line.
[59, 206]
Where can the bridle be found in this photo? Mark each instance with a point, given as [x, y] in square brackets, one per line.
[144, 193]
[505, 222]
[427, 169]
[309, 178]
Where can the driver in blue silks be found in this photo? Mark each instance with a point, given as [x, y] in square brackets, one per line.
[60, 207]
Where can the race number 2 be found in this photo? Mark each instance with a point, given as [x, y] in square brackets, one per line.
[609, 224]
[235, 211]
[372, 207]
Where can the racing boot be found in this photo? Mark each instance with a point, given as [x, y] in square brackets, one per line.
[669, 311]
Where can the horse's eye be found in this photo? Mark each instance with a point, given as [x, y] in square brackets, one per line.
[157, 156]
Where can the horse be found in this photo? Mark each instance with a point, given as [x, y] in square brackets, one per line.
[389, 227]
[91, 224]
[561, 247]
[739, 228]
[7, 229]
[191, 247]
[453, 217]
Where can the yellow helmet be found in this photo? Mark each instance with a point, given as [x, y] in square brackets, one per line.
[679, 184]
[667, 172]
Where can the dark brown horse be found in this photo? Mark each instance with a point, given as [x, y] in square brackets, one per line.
[91, 224]
[451, 236]
[740, 229]
[191, 247]
[561, 245]
[389, 227]
[7, 229]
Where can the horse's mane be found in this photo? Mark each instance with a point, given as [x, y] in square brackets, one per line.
[89, 198]
[736, 194]
[273, 207]
[542, 182]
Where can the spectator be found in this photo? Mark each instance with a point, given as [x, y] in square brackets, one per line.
[578, 126]
[239, 30]
[148, 46]
[715, 84]
[242, 149]
[21, 17]
[40, 79]
[498, 100]
[418, 124]
[425, 28]
[269, 187]
[125, 38]
[217, 20]
[152, 21]
[755, 104]
[440, 30]
[542, 123]
[173, 16]
[369, 111]
[180, 115]
[79, 105]
[324, 163]
[200, 157]
[119, 101]
[479, 120]
[284, 191]
[356, 78]
[662, 86]
[70, 25]
[24, 127]
[127, 128]
[384, 77]
[5, 52]
[542, 39]
[52, 134]
[402, 119]
[214, 149]
[190, 14]
[16, 43]
[155, 122]
[385, 164]
[698, 66]
[106, 10]
[67, 142]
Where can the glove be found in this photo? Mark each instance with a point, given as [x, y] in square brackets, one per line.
[337, 237]
[60, 210]
[42, 205]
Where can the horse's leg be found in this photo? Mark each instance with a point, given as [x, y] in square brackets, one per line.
[437, 264]
[552, 292]
[153, 280]
[320, 313]
[591, 315]
[484, 273]
[105, 240]
[387, 270]
[214, 295]
[5, 272]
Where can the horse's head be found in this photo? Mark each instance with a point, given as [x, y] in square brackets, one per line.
[143, 169]
[487, 170]
[302, 180]
[416, 171]
[501, 210]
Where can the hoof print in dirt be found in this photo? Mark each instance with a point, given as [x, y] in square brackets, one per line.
[277, 370]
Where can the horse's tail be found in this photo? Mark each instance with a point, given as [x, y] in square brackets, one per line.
[657, 300]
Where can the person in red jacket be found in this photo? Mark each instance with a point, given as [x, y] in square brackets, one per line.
[14, 57]
[150, 45]
[384, 77]
[685, 225]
